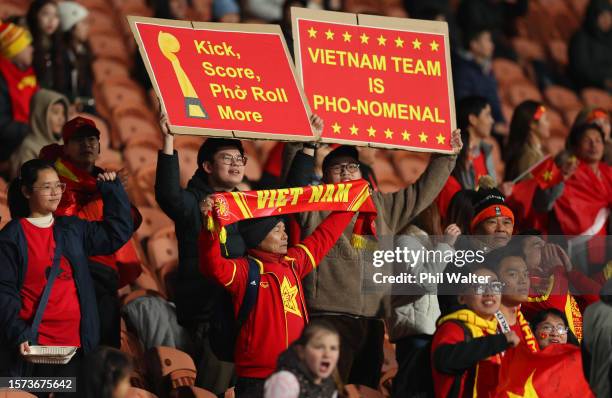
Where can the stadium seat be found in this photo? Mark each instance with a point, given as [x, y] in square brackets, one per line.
[557, 126]
[557, 50]
[187, 148]
[561, 98]
[130, 125]
[110, 160]
[143, 193]
[518, 93]
[528, 50]
[104, 45]
[263, 149]
[105, 68]
[169, 368]
[507, 72]
[134, 392]
[554, 144]
[140, 154]
[5, 393]
[597, 97]
[152, 220]
[8, 10]
[162, 248]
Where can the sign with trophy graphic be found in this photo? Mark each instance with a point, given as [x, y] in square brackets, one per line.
[224, 80]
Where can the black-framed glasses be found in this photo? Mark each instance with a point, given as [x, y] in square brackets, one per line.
[47, 189]
[558, 330]
[493, 287]
[229, 160]
[350, 167]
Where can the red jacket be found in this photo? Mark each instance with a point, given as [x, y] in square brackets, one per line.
[279, 315]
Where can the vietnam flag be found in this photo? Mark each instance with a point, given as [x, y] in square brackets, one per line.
[555, 371]
[547, 174]
[521, 204]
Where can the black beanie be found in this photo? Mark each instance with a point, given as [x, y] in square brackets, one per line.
[212, 146]
[489, 203]
[341, 151]
[255, 230]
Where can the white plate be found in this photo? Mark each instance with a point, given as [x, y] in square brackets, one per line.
[59, 355]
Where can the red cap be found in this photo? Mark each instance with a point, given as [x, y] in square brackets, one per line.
[79, 125]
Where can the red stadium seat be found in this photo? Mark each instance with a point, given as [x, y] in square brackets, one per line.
[104, 45]
[101, 125]
[162, 249]
[143, 193]
[597, 97]
[518, 93]
[527, 50]
[507, 72]
[105, 68]
[166, 275]
[152, 220]
[15, 394]
[561, 98]
[357, 391]
[557, 50]
[140, 154]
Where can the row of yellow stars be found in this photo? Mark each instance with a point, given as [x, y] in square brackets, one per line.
[423, 137]
[382, 41]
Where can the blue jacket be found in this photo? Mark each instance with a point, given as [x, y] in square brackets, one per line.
[81, 240]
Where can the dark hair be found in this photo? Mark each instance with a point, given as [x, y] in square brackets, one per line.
[494, 258]
[57, 49]
[472, 105]
[460, 210]
[542, 315]
[520, 127]
[473, 33]
[312, 328]
[211, 146]
[577, 132]
[28, 175]
[104, 368]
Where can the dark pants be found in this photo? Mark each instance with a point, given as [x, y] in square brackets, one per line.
[106, 283]
[248, 387]
[412, 379]
[213, 374]
[361, 348]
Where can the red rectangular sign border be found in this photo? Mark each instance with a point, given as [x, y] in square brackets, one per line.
[220, 27]
[380, 22]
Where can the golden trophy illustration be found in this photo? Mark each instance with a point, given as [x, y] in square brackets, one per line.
[169, 46]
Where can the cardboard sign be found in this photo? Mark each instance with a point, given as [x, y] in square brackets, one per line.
[223, 79]
[377, 81]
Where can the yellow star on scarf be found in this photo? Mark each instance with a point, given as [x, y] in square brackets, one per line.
[289, 294]
[530, 391]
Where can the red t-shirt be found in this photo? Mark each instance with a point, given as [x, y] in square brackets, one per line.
[60, 325]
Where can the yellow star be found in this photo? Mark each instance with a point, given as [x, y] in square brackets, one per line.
[547, 175]
[329, 34]
[399, 42]
[347, 36]
[529, 392]
[289, 293]
[434, 46]
[423, 136]
[336, 127]
[371, 132]
[416, 44]
[354, 129]
[382, 40]
[312, 33]
[406, 136]
[364, 38]
[440, 139]
[388, 133]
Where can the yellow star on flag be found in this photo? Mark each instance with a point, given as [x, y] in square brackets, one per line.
[399, 42]
[388, 133]
[347, 36]
[406, 136]
[529, 392]
[289, 293]
[329, 34]
[371, 132]
[547, 175]
[354, 129]
[312, 33]
[440, 139]
[423, 136]
[382, 40]
[336, 127]
[416, 44]
[364, 38]
[434, 46]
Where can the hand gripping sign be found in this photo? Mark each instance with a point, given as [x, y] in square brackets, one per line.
[225, 80]
[377, 81]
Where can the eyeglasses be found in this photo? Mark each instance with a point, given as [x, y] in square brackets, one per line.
[559, 330]
[493, 287]
[229, 159]
[350, 167]
[47, 189]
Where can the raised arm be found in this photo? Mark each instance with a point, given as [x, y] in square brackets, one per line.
[116, 228]
[313, 249]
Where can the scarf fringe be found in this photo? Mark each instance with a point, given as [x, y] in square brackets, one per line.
[214, 227]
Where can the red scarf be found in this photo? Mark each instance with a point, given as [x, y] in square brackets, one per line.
[21, 86]
[231, 207]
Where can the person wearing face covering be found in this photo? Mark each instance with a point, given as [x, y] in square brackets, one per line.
[48, 113]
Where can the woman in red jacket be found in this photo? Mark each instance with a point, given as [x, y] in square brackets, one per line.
[279, 313]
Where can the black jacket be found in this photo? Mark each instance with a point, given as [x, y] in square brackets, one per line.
[195, 295]
[11, 131]
[81, 240]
